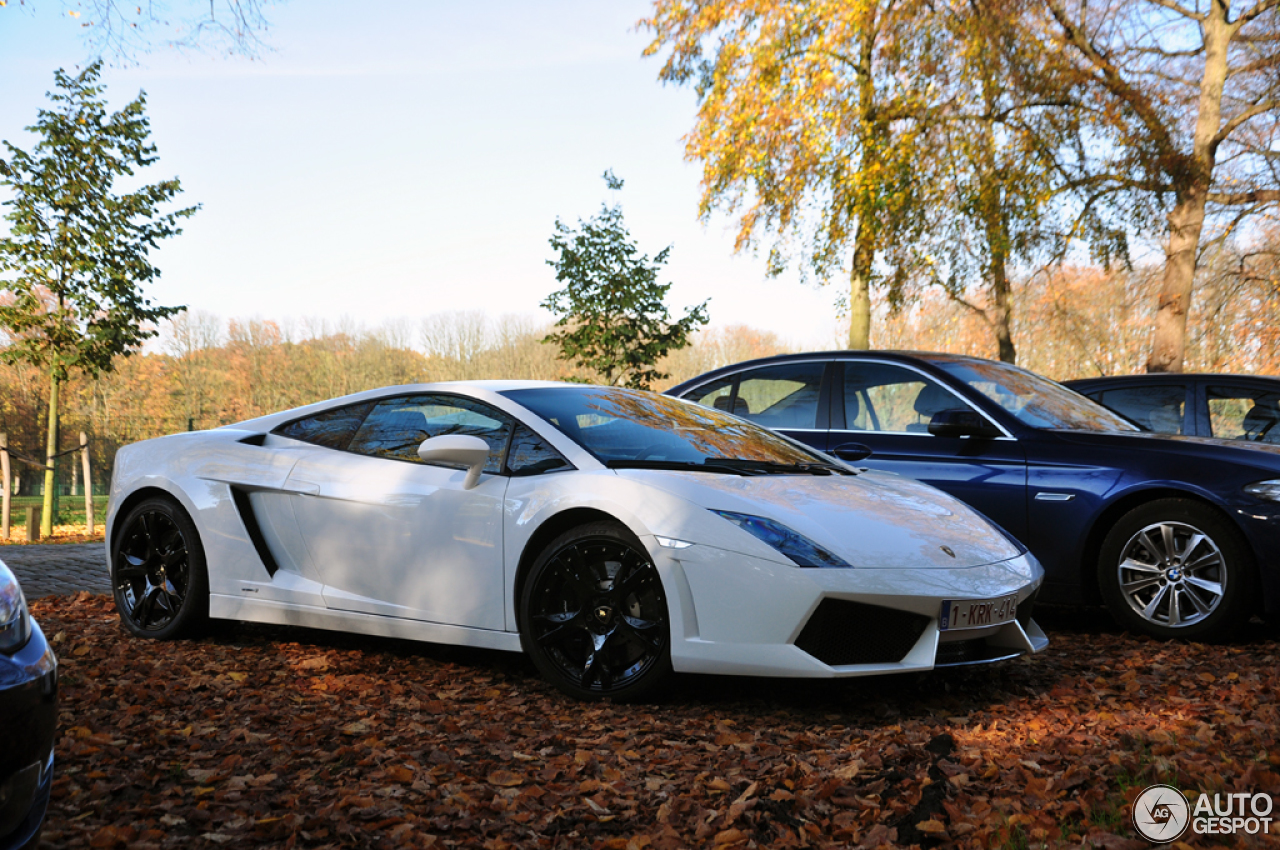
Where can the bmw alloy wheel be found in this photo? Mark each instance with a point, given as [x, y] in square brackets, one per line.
[1177, 568]
[1172, 574]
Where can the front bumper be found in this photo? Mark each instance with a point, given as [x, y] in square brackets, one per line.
[28, 719]
[735, 614]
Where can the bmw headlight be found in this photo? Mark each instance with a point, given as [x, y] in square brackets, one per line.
[791, 543]
[15, 622]
[1268, 490]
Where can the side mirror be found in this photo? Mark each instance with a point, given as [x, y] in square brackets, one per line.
[471, 452]
[962, 423]
[851, 451]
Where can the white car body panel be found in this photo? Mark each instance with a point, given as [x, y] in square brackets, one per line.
[398, 549]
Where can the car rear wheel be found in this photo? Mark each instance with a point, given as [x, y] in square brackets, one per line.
[593, 616]
[1175, 568]
[158, 572]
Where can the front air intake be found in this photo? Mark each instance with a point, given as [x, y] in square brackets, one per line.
[841, 632]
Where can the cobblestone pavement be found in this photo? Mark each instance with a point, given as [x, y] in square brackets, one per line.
[58, 569]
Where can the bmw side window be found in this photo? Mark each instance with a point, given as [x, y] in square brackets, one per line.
[889, 398]
[782, 396]
[1155, 408]
[717, 394]
[531, 455]
[397, 426]
[1237, 413]
[332, 429]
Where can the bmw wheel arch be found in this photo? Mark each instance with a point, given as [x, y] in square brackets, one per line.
[594, 616]
[1176, 568]
[158, 573]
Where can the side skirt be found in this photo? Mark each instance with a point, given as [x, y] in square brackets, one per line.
[222, 607]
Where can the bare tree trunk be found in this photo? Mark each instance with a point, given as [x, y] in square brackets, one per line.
[1169, 340]
[1186, 220]
[51, 449]
[1000, 313]
[860, 291]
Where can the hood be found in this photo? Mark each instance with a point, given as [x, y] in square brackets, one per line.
[872, 520]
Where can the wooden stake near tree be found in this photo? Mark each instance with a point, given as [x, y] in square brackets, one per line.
[7, 479]
[88, 482]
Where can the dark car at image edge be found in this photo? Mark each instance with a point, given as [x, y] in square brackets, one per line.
[28, 718]
[1176, 535]
[1229, 407]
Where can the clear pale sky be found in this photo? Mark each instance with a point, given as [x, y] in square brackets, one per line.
[412, 157]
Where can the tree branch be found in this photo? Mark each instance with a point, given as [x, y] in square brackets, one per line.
[1235, 199]
[1235, 121]
[1174, 7]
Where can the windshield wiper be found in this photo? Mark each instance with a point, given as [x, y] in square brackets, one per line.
[712, 465]
[735, 466]
[772, 467]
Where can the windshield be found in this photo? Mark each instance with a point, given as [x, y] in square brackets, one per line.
[1036, 401]
[623, 427]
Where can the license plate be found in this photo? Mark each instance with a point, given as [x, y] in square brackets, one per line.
[977, 613]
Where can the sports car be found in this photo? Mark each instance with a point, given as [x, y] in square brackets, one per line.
[616, 536]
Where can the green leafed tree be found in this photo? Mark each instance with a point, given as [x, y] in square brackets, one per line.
[76, 258]
[613, 317]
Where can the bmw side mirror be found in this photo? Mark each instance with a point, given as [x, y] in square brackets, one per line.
[961, 423]
[460, 449]
[851, 451]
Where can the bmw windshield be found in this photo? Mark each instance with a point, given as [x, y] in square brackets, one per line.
[631, 429]
[1034, 400]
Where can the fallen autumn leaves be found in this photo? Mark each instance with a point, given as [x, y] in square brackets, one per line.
[270, 737]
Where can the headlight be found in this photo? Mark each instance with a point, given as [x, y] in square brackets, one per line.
[15, 622]
[793, 544]
[1268, 490]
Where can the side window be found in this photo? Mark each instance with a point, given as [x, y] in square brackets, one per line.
[532, 455]
[717, 394]
[1236, 413]
[397, 426]
[782, 396]
[1157, 408]
[332, 429]
[885, 397]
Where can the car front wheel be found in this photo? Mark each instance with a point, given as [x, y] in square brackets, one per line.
[1175, 568]
[593, 616]
[158, 572]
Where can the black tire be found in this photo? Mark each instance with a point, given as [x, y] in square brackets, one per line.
[1175, 568]
[158, 573]
[593, 615]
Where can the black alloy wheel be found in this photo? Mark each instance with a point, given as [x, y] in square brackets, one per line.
[158, 571]
[1175, 568]
[594, 616]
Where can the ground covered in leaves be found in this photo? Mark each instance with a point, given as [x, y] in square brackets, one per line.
[266, 737]
[67, 533]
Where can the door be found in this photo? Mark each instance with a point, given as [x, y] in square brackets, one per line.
[393, 536]
[887, 407]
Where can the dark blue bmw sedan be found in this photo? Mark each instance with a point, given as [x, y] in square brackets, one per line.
[28, 715]
[1178, 536]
